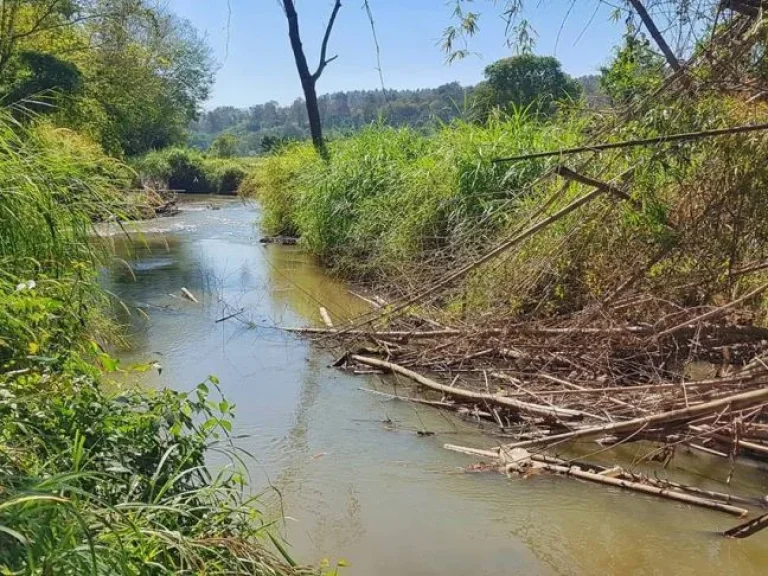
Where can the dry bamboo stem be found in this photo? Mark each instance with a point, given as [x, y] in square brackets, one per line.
[713, 313]
[736, 401]
[189, 296]
[524, 390]
[641, 142]
[576, 387]
[433, 403]
[516, 405]
[326, 317]
[394, 334]
[630, 389]
[748, 528]
[646, 489]
[751, 446]
[660, 488]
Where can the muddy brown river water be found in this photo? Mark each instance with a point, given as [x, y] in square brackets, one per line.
[377, 495]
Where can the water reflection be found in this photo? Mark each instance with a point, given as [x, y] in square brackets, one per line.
[356, 487]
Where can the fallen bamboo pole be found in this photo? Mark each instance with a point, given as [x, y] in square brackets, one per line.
[393, 334]
[748, 528]
[641, 142]
[189, 296]
[576, 387]
[627, 389]
[724, 439]
[736, 401]
[516, 405]
[657, 36]
[326, 317]
[646, 489]
[433, 403]
[669, 490]
[713, 313]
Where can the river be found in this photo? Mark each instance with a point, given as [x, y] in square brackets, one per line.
[356, 481]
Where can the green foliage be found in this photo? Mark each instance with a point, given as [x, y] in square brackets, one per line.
[275, 182]
[133, 90]
[225, 146]
[635, 71]
[37, 81]
[533, 82]
[54, 184]
[191, 171]
[120, 485]
[392, 198]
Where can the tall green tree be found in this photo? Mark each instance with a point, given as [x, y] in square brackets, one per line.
[126, 72]
[225, 146]
[528, 81]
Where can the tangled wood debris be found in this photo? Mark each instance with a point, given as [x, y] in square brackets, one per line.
[547, 386]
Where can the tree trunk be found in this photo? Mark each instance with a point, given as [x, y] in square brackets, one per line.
[309, 79]
[313, 113]
[660, 42]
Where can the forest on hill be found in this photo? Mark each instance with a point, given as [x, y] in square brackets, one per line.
[258, 128]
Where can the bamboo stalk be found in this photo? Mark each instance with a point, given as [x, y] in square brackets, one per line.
[646, 489]
[748, 528]
[189, 296]
[394, 334]
[713, 313]
[736, 401]
[326, 317]
[516, 405]
[641, 142]
[619, 477]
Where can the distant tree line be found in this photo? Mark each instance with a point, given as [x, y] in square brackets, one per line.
[530, 81]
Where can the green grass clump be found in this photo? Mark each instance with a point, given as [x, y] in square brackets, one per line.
[120, 485]
[191, 171]
[274, 180]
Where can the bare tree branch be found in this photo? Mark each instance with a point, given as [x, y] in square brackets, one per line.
[324, 60]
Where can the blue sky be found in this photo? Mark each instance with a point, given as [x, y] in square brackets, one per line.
[256, 63]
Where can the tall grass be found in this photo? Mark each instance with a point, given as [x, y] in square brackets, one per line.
[391, 197]
[190, 171]
[54, 184]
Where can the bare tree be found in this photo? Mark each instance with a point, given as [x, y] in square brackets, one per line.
[308, 78]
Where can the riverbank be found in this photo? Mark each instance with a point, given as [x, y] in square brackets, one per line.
[97, 480]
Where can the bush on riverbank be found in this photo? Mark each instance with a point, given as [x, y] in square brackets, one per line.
[392, 197]
[95, 482]
[190, 171]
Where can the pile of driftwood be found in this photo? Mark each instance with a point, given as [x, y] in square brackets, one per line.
[699, 385]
